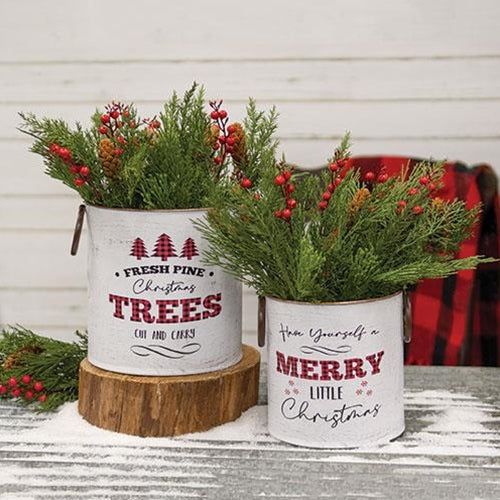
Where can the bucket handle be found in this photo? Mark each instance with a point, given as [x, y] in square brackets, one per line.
[77, 233]
[261, 322]
[407, 317]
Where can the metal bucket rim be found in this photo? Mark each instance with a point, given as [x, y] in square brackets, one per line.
[339, 303]
[145, 211]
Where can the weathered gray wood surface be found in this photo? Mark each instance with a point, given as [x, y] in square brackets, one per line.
[451, 449]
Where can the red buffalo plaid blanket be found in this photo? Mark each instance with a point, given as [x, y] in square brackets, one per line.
[456, 321]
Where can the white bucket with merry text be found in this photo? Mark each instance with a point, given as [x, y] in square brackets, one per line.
[335, 373]
[154, 307]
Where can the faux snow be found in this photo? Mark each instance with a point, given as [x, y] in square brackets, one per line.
[451, 424]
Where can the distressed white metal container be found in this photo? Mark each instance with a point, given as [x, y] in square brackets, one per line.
[154, 308]
[335, 372]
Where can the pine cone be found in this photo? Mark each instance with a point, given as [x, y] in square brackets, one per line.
[330, 239]
[109, 160]
[358, 200]
[152, 134]
[239, 153]
[12, 360]
[437, 203]
[212, 135]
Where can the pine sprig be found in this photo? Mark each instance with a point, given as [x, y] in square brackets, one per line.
[366, 238]
[52, 362]
[170, 161]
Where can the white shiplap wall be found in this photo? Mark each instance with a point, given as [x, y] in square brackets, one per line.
[406, 77]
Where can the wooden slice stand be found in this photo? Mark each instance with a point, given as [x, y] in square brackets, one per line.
[168, 406]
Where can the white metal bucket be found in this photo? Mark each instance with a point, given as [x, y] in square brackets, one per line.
[154, 308]
[335, 373]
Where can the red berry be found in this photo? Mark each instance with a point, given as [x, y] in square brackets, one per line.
[327, 195]
[222, 113]
[26, 379]
[417, 210]
[218, 160]
[65, 154]
[104, 118]
[230, 141]
[286, 214]
[369, 176]
[15, 393]
[3, 390]
[84, 171]
[331, 187]
[121, 139]
[382, 178]
[279, 180]
[115, 114]
[322, 205]
[341, 162]
[231, 129]
[74, 169]
[412, 191]
[333, 167]
[126, 114]
[401, 203]
[424, 180]
[12, 382]
[290, 188]
[216, 146]
[118, 152]
[155, 124]
[103, 130]
[287, 175]
[291, 203]
[54, 148]
[278, 214]
[214, 115]
[229, 149]
[246, 183]
[431, 187]
[42, 398]
[28, 395]
[132, 124]
[38, 386]
[222, 139]
[338, 180]
[257, 196]
[79, 182]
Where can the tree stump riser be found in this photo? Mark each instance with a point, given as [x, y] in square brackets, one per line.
[168, 406]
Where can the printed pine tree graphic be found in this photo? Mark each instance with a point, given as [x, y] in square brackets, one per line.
[189, 249]
[164, 247]
[139, 249]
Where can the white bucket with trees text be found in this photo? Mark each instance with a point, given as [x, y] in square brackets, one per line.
[335, 373]
[154, 307]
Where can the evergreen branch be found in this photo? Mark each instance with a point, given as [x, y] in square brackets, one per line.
[123, 161]
[363, 244]
[52, 362]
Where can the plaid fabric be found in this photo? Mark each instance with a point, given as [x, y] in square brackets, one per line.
[456, 321]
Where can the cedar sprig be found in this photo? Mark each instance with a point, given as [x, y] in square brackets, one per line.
[179, 163]
[260, 129]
